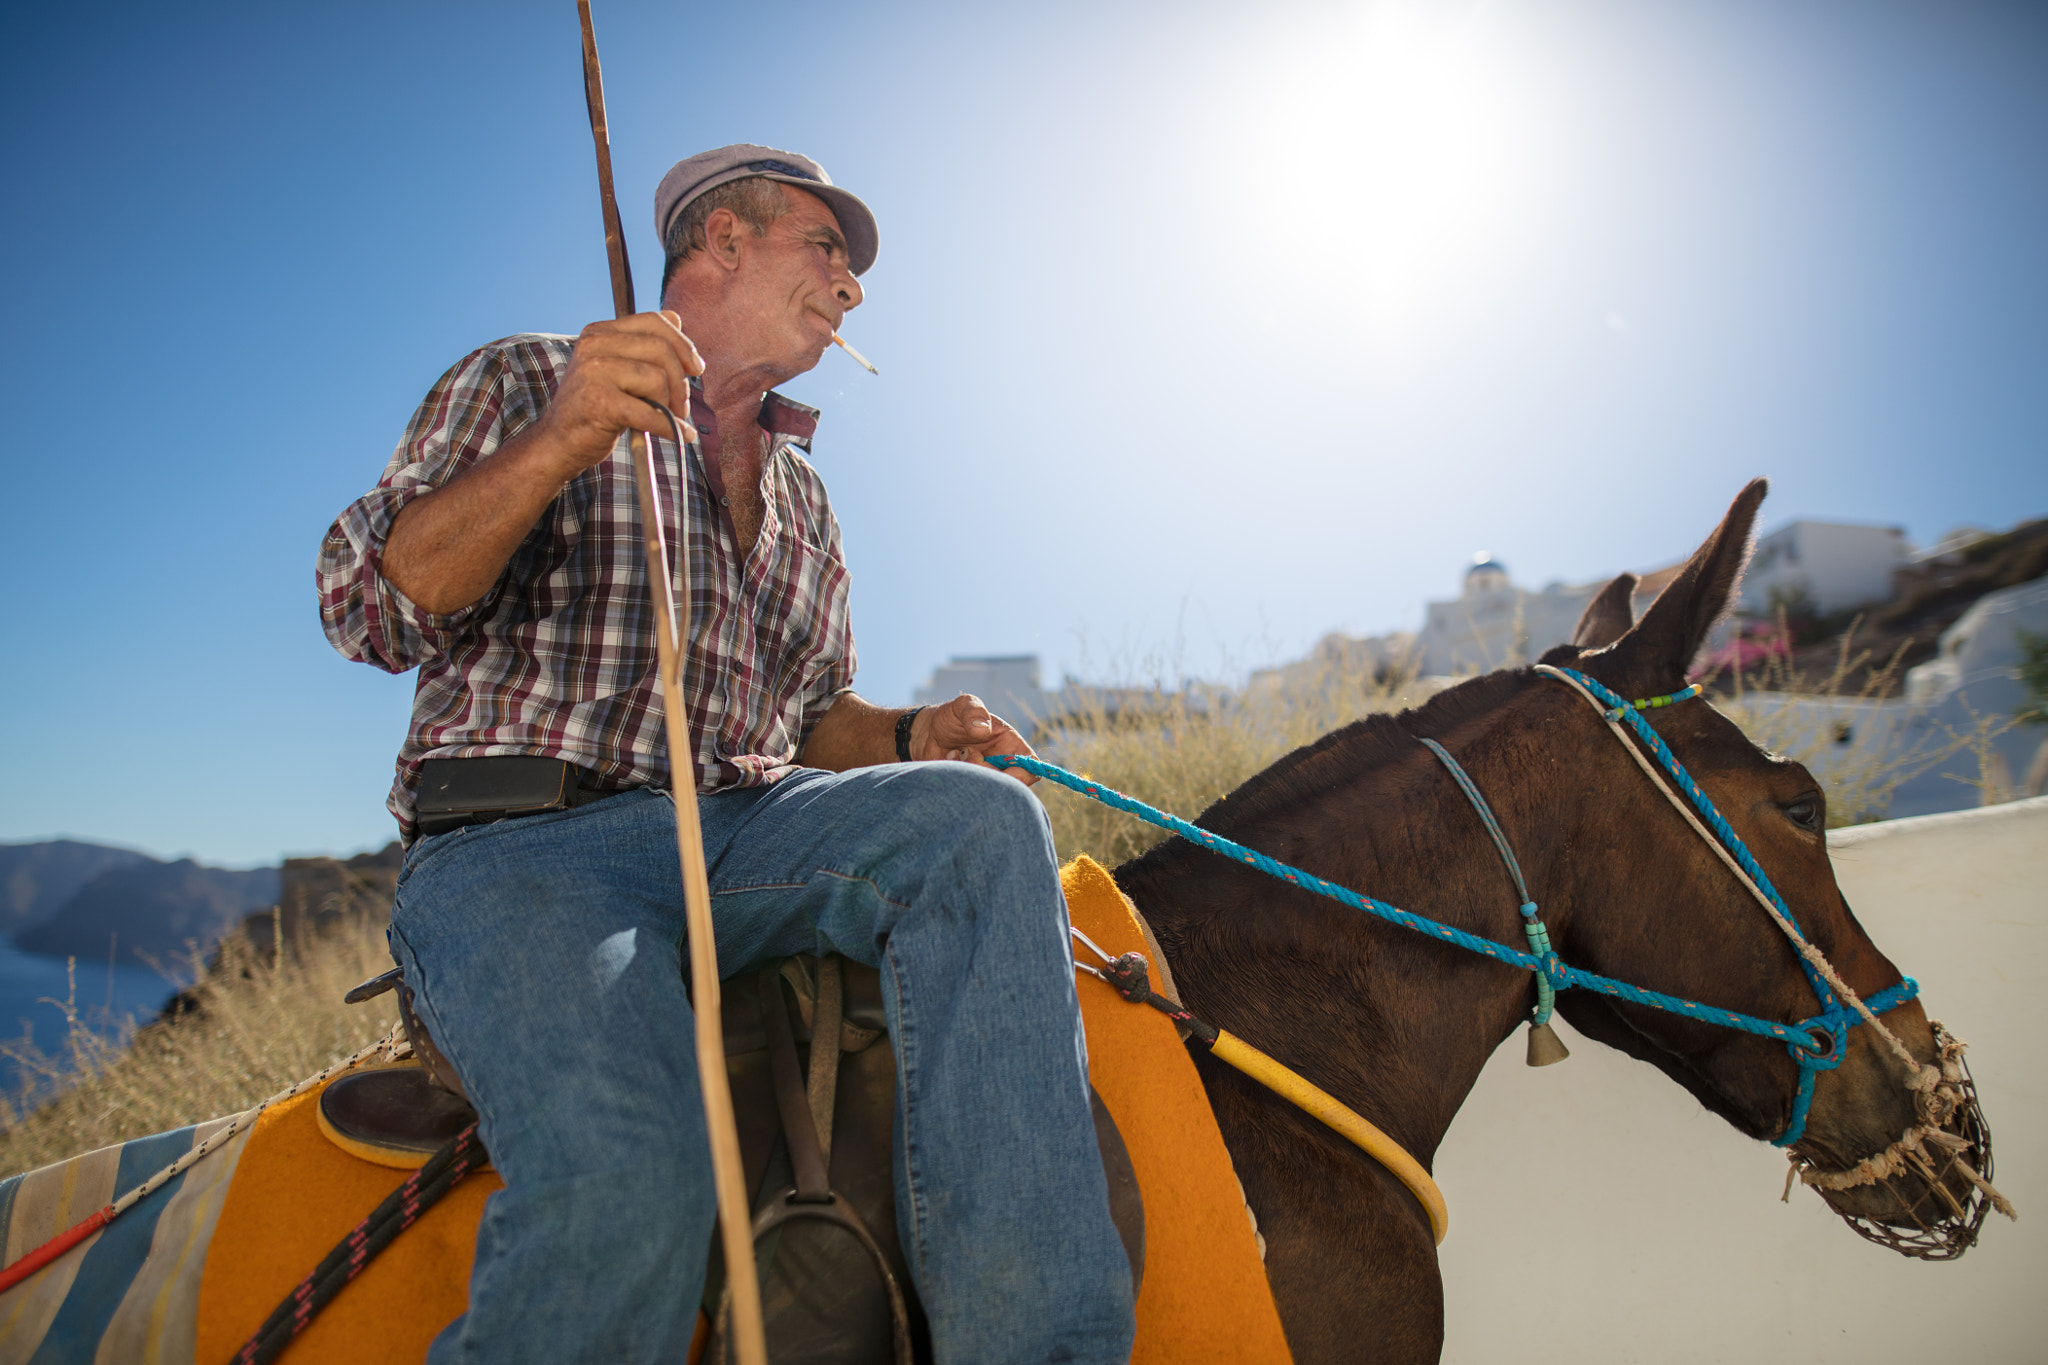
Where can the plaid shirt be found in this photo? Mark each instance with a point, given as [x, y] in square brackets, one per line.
[558, 658]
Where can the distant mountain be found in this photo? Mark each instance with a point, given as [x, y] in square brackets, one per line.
[36, 879]
[152, 907]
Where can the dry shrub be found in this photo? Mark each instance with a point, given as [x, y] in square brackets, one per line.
[265, 1018]
[1182, 750]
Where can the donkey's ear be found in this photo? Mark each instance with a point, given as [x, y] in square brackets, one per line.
[1609, 615]
[1676, 625]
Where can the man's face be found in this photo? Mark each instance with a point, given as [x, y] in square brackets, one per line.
[794, 286]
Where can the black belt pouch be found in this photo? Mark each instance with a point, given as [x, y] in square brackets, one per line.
[454, 792]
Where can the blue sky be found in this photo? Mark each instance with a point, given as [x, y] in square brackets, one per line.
[1204, 330]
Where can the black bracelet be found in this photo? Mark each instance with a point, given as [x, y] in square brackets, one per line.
[903, 733]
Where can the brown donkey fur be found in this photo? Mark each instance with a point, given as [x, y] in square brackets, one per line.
[1398, 1026]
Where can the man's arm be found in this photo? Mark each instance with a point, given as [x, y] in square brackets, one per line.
[448, 547]
[856, 733]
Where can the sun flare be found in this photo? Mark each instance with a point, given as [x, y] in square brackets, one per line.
[1416, 143]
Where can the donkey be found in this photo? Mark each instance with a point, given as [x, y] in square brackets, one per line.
[1398, 1026]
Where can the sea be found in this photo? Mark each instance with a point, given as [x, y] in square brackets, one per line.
[33, 990]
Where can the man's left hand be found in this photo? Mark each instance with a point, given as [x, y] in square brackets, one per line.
[966, 731]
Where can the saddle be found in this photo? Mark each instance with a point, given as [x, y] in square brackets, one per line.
[816, 1139]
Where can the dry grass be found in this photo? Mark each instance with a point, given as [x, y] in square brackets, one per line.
[265, 1020]
[1182, 750]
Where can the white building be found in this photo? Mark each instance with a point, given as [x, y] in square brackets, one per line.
[1006, 683]
[1494, 624]
[1340, 655]
[1969, 688]
[1833, 565]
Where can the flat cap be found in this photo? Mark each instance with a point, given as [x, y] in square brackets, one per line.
[708, 170]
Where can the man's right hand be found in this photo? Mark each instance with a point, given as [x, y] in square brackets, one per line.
[618, 367]
[448, 547]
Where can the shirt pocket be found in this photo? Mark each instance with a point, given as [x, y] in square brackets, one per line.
[801, 622]
[588, 630]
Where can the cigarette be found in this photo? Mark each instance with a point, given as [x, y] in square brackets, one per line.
[865, 363]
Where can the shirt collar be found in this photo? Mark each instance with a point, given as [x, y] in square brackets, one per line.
[789, 418]
[795, 422]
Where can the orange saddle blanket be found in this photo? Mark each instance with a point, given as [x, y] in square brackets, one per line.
[291, 1195]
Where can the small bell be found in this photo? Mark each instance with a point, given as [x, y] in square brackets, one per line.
[1545, 1047]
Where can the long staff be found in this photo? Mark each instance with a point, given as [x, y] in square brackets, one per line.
[735, 1221]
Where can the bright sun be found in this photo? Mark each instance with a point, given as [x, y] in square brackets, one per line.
[1414, 140]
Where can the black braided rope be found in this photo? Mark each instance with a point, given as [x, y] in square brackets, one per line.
[399, 1211]
[1131, 979]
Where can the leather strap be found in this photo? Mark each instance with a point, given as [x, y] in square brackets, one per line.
[811, 1196]
[438, 1068]
[806, 1158]
[825, 1044]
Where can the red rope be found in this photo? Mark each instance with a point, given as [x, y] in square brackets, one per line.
[52, 1249]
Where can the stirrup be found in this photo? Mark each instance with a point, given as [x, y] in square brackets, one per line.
[439, 1072]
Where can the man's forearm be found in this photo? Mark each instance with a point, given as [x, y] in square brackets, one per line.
[448, 547]
[858, 734]
[855, 733]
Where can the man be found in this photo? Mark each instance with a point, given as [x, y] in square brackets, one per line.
[500, 554]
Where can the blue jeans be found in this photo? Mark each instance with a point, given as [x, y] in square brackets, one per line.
[544, 957]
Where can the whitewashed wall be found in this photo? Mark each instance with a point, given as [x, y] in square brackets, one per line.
[1599, 1215]
[1840, 566]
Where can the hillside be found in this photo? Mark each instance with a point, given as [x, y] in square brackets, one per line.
[1928, 598]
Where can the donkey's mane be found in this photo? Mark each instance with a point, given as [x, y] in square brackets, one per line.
[1314, 770]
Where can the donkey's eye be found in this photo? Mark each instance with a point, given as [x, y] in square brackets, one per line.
[1804, 813]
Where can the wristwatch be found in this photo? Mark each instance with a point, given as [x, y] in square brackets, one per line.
[903, 723]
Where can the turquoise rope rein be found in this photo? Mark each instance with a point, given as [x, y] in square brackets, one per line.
[1811, 1055]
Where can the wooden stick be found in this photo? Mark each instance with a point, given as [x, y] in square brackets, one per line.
[600, 133]
[735, 1220]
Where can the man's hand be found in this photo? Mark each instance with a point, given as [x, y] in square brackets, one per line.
[620, 370]
[448, 547]
[856, 733]
[966, 731]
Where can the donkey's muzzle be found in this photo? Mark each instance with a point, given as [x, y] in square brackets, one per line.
[1933, 1191]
